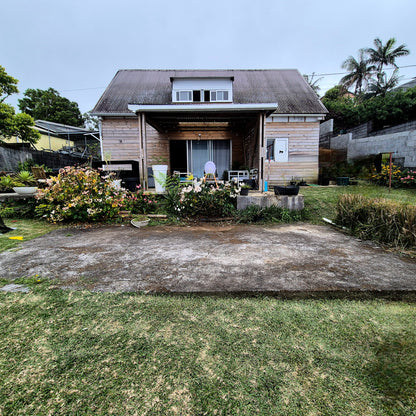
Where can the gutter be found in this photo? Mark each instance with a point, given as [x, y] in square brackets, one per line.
[202, 107]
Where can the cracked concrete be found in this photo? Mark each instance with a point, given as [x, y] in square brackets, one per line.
[211, 259]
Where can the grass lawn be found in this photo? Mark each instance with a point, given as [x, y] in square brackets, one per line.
[79, 353]
[25, 228]
[320, 201]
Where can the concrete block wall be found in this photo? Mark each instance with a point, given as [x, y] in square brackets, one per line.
[402, 145]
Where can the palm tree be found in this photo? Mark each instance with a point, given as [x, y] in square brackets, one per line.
[313, 83]
[386, 54]
[383, 84]
[360, 72]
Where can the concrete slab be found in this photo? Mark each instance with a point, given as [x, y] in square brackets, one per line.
[12, 287]
[210, 259]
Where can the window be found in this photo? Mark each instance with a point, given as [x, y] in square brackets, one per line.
[277, 150]
[219, 95]
[196, 95]
[183, 95]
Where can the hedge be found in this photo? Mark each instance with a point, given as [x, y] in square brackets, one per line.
[378, 219]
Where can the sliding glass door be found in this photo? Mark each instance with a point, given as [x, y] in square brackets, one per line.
[202, 151]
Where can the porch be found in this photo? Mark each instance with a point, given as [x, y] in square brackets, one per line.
[185, 140]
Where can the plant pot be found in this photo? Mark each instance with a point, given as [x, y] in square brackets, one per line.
[159, 174]
[244, 191]
[343, 181]
[290, 190]
[250, 182]
[140, 221]
[25, 190]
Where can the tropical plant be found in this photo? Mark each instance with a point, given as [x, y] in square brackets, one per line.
[24, 178]
[384, 55]
[6, 183]
[360, 72]
[383, 84]
[313, 83]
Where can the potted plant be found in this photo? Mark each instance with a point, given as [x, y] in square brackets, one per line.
[6, 184]
[290, 190]
[244, 189]
[140, 221]
[24, 183]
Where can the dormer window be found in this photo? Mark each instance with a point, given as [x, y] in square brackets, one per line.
[201, 90]
[220, 95]
[184, 96]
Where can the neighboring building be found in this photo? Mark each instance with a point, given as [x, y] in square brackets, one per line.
[407, 85]
[257, 119]
[70, 139]
[62, 138]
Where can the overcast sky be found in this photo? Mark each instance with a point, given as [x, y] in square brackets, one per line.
[77, 46]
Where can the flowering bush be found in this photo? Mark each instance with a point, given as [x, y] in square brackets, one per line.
[80, 194]
[200, 199]
[382, 177]
[409, 179]
[399, 177]
[140, 203]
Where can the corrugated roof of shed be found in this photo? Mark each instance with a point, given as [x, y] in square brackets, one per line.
[287, 87]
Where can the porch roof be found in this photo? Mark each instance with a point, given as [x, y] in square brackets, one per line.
[286, 87]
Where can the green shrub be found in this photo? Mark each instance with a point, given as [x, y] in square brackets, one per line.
[140, 203]
[201, 199]
[12, 208]
[273, 214]
[382, 177]
[6, 183]
[80, 194]
[382, 220]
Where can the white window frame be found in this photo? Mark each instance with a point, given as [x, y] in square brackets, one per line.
[215, 92]
[178, 96]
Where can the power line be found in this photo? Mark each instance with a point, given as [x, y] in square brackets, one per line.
[343, 73]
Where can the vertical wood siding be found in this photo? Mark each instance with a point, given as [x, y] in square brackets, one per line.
[303, 142]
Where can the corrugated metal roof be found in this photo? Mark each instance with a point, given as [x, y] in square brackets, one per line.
[61, 128]
[287, 87]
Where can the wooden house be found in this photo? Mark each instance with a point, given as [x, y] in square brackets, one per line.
[267, 120]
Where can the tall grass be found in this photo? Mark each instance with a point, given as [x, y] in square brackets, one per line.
[378, 219]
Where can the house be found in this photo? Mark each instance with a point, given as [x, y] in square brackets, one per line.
[58, 137]
[61, 137]
[267, 120]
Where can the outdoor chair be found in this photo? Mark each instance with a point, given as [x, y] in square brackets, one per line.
[39, 174]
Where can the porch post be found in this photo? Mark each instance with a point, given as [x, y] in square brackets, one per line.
[142, 151]
[262, 153]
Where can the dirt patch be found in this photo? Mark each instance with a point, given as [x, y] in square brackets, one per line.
[211, 259]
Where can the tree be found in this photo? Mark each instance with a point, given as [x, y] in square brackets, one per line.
[313, 83]
[386, 54]
[90, 122]
[360, 72]
[383, 84]
[11, 124]
[49, 105]
[8, 85]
